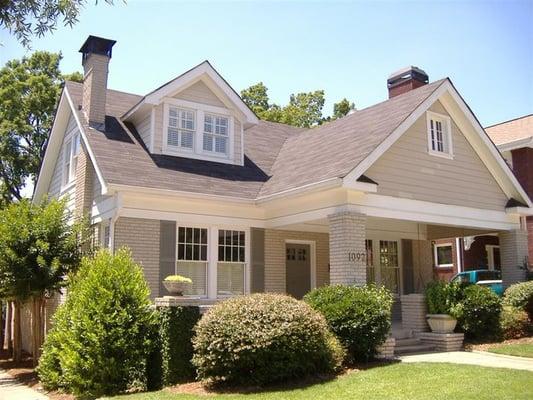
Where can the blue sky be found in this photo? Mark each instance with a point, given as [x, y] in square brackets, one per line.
[346, 48]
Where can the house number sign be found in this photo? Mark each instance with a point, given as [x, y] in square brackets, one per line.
[353, 256]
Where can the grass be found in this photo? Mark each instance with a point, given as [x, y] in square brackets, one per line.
[394, 381]
[517, 349]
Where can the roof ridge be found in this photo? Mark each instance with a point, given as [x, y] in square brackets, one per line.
[509, 120]
[108, 89]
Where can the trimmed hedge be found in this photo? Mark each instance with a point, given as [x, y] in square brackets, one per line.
[514, 323]
[520, 295]
[478, 313]
[101, 337]
[263, 338]
[359, 316]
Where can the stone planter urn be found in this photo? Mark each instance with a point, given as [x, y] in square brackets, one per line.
[176, 288]
[441, 323]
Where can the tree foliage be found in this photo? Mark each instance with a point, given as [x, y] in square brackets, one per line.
[303, 110]
[25, 18]
[29, 90]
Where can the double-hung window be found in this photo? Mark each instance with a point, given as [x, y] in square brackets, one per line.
[443, 255]
[70, 159]
[192, 258]
[181, 128]
[216, 134]
[439, 135]
[231, 264]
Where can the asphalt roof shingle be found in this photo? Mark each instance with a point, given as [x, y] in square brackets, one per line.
[278, 157]
[510, 131]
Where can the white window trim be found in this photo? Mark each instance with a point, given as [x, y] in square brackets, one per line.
[65, 182]
[436, 259]
[447, 131]
[214, 135]
[489, 248]
[212, 257]
[197, 151]
[385, 236]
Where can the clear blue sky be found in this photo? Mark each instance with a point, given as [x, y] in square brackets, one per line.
[346, 48]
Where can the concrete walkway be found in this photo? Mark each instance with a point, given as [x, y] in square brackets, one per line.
[480, 358]
[11, 389]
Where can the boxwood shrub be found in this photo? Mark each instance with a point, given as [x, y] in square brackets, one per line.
[101, 337]
[478, 313]
[520, 295]
[263, 338]
[359, 316]
[514, 323]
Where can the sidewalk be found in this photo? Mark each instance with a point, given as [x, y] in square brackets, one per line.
[480, 358]
[11, 389]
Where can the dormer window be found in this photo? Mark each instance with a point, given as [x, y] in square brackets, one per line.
[181, 128]
[439, 135]
[215, 134]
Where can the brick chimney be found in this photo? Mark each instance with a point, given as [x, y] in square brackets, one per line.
[96, 53]
[406, 79]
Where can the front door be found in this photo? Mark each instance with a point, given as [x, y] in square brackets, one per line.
[298, 269]
[383, 264]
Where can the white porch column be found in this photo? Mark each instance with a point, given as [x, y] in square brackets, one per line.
[347, 251]
[513, 253]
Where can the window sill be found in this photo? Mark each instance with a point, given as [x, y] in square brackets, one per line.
[444, 266]
[67, 187]
[178, 152]
[440, 154]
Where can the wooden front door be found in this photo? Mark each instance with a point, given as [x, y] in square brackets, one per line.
[298, 269]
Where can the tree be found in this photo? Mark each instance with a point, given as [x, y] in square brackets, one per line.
[304, 109]
[342, 108]
[24, 18]
[29, 92]
[38, 248]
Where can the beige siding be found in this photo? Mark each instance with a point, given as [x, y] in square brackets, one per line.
[144, 128]
[141, 236]
[275, 257]
[407, 170]
[200, 93]
[237, 144]
[158, 129]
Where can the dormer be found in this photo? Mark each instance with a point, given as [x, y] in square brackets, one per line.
[197, 115]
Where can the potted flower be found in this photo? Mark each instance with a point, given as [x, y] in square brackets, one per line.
[442, 307]
[176, 284]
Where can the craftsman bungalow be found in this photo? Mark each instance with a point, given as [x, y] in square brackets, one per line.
[194, 183]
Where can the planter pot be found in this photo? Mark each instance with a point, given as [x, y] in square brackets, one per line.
[441, 323]
[176, 288]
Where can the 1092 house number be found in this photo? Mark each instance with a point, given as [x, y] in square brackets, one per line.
[353, 256]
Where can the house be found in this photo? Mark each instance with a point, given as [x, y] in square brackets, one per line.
[194, 183]
[514, 139]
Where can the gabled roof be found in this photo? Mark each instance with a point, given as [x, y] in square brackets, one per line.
[512, 132]
[203, 71]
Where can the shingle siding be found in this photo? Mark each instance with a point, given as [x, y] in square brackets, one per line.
[141, 236]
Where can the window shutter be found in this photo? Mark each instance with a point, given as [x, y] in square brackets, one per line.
[257, 262]
[167, 253]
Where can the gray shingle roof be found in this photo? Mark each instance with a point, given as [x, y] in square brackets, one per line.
[278, 157]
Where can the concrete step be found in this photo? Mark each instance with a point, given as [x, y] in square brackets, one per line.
[408, 342]
[400, 333]
[413, 349]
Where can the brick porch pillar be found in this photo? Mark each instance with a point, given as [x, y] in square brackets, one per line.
[347, 232]
[513, 253]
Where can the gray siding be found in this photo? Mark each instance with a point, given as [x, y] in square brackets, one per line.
[407, 170]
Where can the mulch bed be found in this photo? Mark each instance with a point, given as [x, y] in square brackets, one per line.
[486, 346]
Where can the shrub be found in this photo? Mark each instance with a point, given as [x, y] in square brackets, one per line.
[520, 295]
[100, 340]
[514, 323]
[478, 312]
[263, 338]
[443, 298]
[359, 316]
[175, 339]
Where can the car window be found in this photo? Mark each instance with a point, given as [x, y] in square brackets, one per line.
[488, 275]
[462, 278]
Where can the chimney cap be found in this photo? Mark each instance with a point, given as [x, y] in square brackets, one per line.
[97, 45]
[410, 72]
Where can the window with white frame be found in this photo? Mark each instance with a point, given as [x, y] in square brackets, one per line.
[439, 135]
[181, 128]
[231, 262]
[443, 255]
[191, 261]
[216, 134]
[70, 158]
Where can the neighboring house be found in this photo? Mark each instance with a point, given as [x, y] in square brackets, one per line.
[195, 184]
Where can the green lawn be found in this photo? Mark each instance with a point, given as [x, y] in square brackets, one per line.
[518, 349]
[395, 381]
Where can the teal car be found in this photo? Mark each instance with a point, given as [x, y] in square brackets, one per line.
[482, 277]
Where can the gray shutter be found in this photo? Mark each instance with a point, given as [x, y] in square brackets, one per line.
[167, 253]
[257, 262]
[408, 267]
